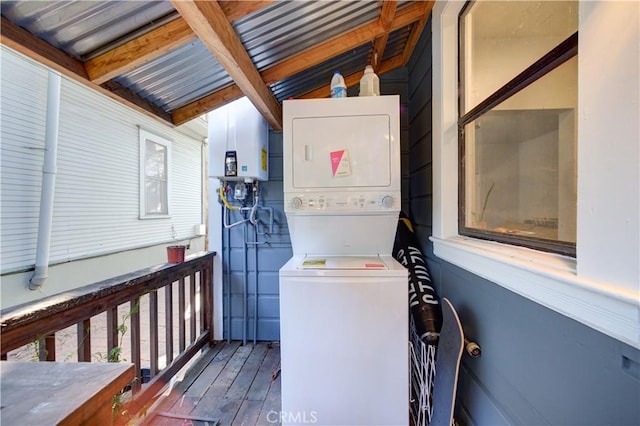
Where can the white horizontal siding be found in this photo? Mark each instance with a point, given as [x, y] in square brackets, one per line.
[96, 201]
[23, 110]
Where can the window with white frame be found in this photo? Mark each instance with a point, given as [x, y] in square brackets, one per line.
[599, 286]
[155, 160]
[518, 75]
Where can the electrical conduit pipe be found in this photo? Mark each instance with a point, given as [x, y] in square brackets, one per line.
[49, 170]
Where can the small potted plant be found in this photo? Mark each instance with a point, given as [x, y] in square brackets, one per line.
[175, 254]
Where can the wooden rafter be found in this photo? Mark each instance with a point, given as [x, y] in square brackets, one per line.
[351, 80]
[391, 64]
[416, 31]
[235, 9]
[386, 18]
[415, 15]
[210, 21]
[138, 51]
[206, 104]
[118, 92]
[31, 46]
[210, 24]
[352, 39]
[158, 42]
[24, 42]
[321, 53]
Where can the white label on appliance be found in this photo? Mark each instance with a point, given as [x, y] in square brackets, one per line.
[340, 164]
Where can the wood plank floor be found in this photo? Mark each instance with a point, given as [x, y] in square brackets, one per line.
[229, 384]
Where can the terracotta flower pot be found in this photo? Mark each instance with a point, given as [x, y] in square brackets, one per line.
[175, 254]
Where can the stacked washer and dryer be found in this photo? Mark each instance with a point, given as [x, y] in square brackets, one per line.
[343, 297]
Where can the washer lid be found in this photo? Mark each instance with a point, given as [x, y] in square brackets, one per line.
[343, 262]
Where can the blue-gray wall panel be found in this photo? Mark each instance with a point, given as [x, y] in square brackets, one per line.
[421, 208]
[537, 366]
[421, 181]
[421, 61]
[395, 83]
[271, 256]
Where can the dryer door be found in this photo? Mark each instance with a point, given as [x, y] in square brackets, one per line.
[341, 152]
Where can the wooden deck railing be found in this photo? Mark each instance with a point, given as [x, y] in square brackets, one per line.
[170, 316]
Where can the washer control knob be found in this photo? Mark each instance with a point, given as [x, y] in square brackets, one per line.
[387, 201]
[296, 202]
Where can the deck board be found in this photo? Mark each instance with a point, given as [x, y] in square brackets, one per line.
[243, 381]
[272, 403]
[211, 372]
[185, 393]
[231, 384]
[248, 413]
[226, 411]
[260, 386]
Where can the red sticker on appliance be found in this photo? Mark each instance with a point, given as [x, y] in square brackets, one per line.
[373, 265]
[340, 165]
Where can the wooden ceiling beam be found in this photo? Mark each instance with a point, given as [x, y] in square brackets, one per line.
[234, 9]
[210, 24]
[26, 43]
[29, 45]
[139, 51]
[321, 52]
[391, 64]
[352, 39]
[206, 104]
[408, 15]
[386, 18]
[121, 93]
[416, 32]
[387, 13]
[156, 43]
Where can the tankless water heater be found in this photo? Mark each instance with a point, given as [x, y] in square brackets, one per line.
[238, 142]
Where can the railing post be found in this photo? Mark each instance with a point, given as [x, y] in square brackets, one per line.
[84, 341]
[207, 283]
[192, 308]
[203, 294]
[168, 321]
[112, 335]
[153, 331]
[135, 341]
[47, 348]
[181, 315]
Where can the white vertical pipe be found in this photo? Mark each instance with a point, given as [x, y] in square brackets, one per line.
[49, 170]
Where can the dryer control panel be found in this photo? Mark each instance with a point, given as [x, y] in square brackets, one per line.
[342, 202]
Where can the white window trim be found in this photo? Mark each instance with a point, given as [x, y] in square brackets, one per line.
[145, 135]
[600, 287]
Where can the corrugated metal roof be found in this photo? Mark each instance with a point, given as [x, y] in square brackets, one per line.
[396, 42]
[320, 75]
[285, 28]
[177, 78]
[271, 33]
[80, 27]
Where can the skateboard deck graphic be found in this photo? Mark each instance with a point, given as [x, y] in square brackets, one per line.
[448, 357]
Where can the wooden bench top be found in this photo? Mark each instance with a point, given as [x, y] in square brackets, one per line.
[47, 393]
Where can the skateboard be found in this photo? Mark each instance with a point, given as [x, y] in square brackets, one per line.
[448, 355]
